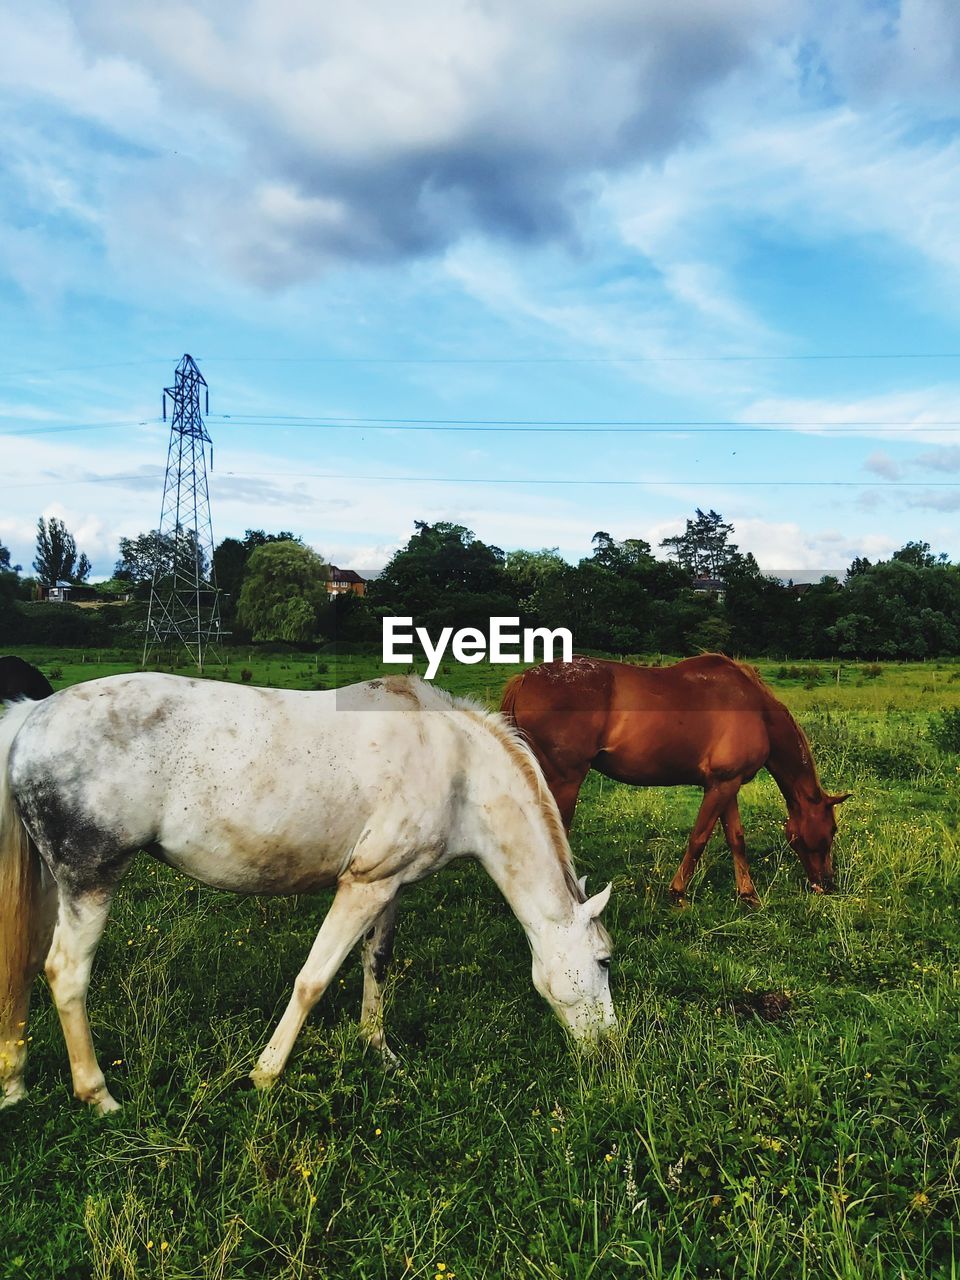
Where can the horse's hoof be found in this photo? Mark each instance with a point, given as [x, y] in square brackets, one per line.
[262, 1079]
[389, 1060]
[751, 901]
[12, 1095]
[106, 1105]
[680, 900]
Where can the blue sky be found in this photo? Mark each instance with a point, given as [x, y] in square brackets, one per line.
[553, 212]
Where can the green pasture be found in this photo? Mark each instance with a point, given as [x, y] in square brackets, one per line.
[705, 1142]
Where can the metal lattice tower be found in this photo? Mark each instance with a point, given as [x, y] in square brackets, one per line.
[184, 600]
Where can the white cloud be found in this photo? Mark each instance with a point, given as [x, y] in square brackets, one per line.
[814, 175]
[290, 135]
[881, 464]
[904, 415]
[788, 545]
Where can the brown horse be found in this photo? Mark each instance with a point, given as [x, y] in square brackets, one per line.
[19, 680]
[706, 722]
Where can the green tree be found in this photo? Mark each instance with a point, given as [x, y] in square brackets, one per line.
[859, 564]
[761, 611]
[445, 576]
[57, 559]
[5, 565]
[283, 593]
[704, 548]
[619, 599]
[919, 555]
[905, 607]
[526, 571]
[147, 552]
[138, 556]
[254, 538]
[620, 557]
[230, 558]
[229, 563]
[9, 580]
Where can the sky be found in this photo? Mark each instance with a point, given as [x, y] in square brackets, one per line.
[704, 253]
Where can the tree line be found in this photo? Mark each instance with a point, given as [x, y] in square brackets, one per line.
[700, 592]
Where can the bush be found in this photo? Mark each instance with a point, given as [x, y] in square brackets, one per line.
[873, 671]
[64, 625]
[896, 763]
[811, 676]
[246, 675]
[945, 729]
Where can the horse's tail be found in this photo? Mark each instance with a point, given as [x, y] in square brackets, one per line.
[509, 700]
[19, 888]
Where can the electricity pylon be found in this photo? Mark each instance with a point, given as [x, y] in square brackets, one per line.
[184, 600]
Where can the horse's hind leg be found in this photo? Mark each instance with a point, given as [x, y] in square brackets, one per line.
[377, 954]
[355, 908]
[13, 1057]
[733, 830]
[80, 926]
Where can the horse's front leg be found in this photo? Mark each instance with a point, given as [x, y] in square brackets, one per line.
[377, 954]
[715, 800]
[733, 830]
[356, 906]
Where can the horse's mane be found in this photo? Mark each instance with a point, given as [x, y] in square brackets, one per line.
[779, 709]
[520, 753]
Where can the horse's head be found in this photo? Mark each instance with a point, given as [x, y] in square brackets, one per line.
[571, 969]
[810, 830]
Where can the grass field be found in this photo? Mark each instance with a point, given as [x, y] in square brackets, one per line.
[706, 1142]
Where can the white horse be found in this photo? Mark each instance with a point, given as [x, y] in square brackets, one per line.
[272, 792]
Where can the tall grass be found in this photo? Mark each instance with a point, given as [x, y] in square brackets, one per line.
[702, 1141]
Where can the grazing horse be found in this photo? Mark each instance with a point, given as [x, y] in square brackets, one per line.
[19, 680]
[707, 722]
[269, 791]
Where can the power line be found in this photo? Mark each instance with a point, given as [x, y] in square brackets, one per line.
[518, 480]
[539, 480]
[524, 360]
[483, 426]
[622, 426]
[79, 426]
[699, 358]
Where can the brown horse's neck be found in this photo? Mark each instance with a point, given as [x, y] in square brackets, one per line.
[790, 760]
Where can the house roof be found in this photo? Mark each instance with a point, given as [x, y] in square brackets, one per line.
[344, 575]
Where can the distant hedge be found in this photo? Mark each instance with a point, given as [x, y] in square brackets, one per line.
[59, 624]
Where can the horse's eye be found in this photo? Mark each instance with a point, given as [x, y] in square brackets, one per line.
[604, 963]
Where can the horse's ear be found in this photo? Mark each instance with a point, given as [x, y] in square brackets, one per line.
[593, 906]
[582, 882]
[838, 799]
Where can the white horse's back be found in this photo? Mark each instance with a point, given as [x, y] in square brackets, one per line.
[252, 790]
